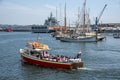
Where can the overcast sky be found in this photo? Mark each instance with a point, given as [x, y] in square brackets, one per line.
[25, 12]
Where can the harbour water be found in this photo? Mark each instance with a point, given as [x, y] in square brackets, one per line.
[101, 59]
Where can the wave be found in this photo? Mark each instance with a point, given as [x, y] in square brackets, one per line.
[85, 68]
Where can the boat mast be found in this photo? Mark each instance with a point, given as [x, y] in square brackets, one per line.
[65, 17]
[77, 22]
[60, 18]
[56, 13]
[84, 6]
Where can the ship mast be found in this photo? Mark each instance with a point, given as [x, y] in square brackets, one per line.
[84, 6]
[56, 13]
[65, 17]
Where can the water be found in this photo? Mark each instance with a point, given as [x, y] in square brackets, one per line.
[101, 60]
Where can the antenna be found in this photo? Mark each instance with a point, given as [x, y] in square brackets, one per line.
[38, 37]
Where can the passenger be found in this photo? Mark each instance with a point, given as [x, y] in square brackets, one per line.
[31, 52]
[54, 59]
[47, 58]
[64, 59]
[44, 54]
[78, 55]
[47, 54]
[41, 56]
[67, 58]
[59, 59]
[33, 46]
[50, 56]
[37, 55]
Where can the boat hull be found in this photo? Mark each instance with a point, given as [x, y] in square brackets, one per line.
[58, 38]
[116, 35]
[101, 38]
[86, 39]
[51, 64]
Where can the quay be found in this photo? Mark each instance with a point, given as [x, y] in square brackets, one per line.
[103, 28]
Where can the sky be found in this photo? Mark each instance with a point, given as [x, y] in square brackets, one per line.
[27, 12]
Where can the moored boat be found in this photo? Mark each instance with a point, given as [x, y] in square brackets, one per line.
[83, 31]
[79, 39]
[37, 53]
[99, 36]
[116, 35]
[8, 30]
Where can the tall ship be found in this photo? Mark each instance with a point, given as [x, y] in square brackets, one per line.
[47, 27]
[83, 31]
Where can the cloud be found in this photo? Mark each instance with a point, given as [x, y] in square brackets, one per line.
[21, 14]
[12, 7]
[50, 7]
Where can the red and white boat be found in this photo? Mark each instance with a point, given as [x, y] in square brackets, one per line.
[9, 30]
[37, 53]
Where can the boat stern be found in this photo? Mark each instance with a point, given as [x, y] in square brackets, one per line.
[77, 65]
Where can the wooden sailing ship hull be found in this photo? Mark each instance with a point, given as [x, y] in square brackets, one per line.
[51, 64]
[86, 39]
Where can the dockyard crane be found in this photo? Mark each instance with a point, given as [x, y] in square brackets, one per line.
[98, 18]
